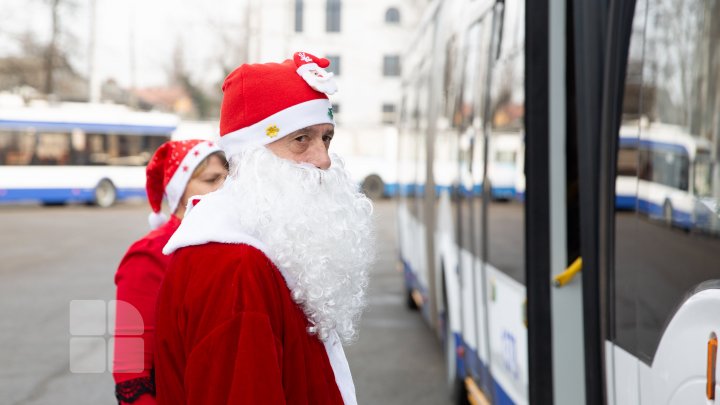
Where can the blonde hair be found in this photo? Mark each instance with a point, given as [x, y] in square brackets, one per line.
[205, 162]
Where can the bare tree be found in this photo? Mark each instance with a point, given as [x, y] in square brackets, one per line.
[54, 57]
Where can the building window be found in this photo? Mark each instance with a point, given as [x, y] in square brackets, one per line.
[333, 9]
[334, 64]
[388, 113]
[392, 16]
[299, 8]
[391, 65]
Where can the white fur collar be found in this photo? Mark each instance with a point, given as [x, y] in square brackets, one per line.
[211, 220]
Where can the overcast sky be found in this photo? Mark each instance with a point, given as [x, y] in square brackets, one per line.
[158, 26]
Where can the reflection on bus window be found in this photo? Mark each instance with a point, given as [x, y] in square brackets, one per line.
[667, 220]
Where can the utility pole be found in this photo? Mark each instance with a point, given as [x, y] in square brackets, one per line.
[93, 78]
[51, 52]
[131, 44]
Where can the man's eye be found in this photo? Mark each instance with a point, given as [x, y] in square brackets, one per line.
[327, 138]
[302, 138]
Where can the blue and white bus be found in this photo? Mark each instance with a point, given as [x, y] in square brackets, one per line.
[575, 292]
[77, 152]
[665, 173]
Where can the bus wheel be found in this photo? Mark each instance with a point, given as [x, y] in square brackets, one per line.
[105, 194]
[373, 187]
[409, 300]
[668, 214]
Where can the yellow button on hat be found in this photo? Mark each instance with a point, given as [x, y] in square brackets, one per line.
[272, 131]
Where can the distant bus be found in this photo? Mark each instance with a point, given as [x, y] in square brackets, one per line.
[666, 175]
[505, 165]
[77, 152]
[207, 130]
[370, 156]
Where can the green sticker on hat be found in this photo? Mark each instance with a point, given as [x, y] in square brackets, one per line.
[330, 113]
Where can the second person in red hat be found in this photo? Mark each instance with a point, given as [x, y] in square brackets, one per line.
[177, 171]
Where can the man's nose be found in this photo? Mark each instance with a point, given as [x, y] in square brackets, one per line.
[318, 155]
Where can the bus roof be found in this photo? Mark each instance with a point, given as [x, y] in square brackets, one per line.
[663, 134]
[90, 118]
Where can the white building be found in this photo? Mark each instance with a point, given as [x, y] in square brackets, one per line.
[365, 40]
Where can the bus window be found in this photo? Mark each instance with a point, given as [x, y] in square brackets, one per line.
[16, 148]
[52, 149]
[505, 212]
[703, 171]
[668, 248]
[627, 164]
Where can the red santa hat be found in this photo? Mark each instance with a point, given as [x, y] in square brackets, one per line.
[169, 172]
[265, 102]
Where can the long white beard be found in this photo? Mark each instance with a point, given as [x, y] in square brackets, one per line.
[318, 230]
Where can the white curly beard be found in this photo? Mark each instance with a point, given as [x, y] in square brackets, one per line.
[317, 227]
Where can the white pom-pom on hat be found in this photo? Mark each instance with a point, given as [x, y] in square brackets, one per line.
[157, 219]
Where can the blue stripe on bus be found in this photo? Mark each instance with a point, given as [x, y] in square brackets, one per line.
[406, 190]
[475, 365]
[48, 195]
[124, 193]
[503, 192]
[654, 145]
[625, 202]
[123, 129]
[412, 283]
[61, 195]
[481, 374]
[391, 189]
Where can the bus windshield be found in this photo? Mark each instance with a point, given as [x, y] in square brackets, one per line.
[703, 174]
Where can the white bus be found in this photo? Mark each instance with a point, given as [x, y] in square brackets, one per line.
[505, 165]
[572, 292]
[77, 152]
[666, 175]
[369, 155]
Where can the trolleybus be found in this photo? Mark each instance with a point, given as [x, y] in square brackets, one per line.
[574, 293]
[93, 153]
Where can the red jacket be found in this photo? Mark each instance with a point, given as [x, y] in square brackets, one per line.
[138, 280]
[228, 332]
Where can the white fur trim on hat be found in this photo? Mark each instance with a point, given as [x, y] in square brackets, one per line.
[176, 186]
[278, 125]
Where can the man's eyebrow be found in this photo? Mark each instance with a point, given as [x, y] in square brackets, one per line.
[330, 132]
[303, 131]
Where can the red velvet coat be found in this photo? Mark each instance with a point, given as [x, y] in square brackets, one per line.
[138, 281]
[228, 332]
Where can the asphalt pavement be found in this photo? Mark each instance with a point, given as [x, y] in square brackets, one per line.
[52, 256]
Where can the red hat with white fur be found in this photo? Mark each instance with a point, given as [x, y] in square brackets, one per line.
[169, 172]
[265, 102]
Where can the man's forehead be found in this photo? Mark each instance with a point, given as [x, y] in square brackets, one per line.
[323, 128]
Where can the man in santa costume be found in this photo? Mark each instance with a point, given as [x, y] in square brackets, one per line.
[177, 170]
[269, 273]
